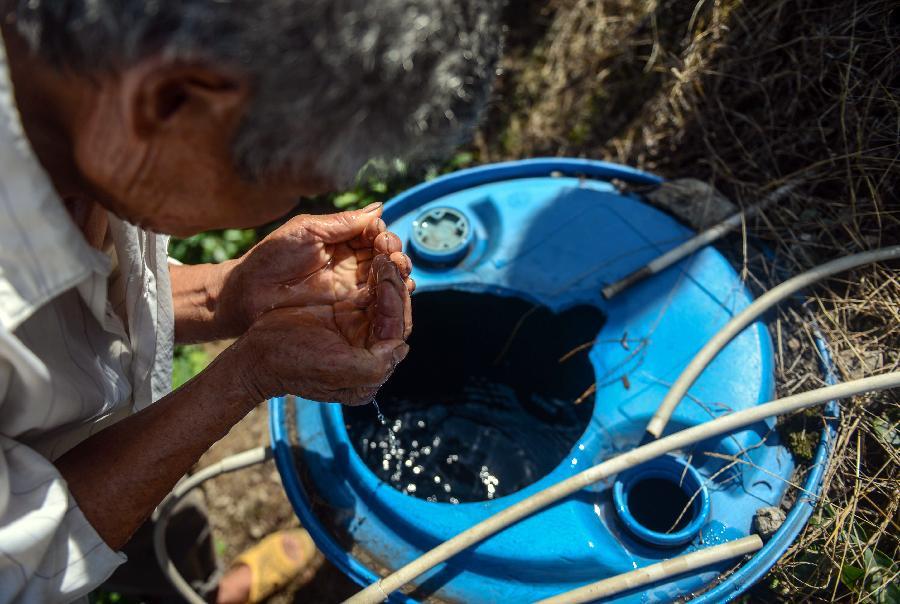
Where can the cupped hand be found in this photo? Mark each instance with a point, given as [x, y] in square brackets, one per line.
[332, 352]
[310, 261]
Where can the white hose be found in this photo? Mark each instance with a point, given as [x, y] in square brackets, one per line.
[238, 461]
[379, 590]
[658, 572]
[769, 299]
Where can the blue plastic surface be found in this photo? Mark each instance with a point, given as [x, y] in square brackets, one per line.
[677, 472]
[555, 231]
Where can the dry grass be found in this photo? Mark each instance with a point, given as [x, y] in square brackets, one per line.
[749, 95]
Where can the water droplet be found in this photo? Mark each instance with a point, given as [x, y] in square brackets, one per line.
[418, 447]
[378, 411]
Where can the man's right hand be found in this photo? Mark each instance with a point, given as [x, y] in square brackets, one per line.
[341, 352]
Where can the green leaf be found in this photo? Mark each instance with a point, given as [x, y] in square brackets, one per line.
[187, 362]
[347, 199]
[886, 432]
[876, 582]
[890, 594]
[850, 575]
[462, 159]
[214, 246]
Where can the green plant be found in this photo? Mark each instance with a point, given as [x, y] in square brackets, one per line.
[101, 596]
[213, 246]
[876, 580]
[188, 361]
[380, 182]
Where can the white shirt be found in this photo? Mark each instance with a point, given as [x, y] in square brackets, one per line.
[85, 338]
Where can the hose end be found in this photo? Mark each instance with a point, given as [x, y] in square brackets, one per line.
[656, 426]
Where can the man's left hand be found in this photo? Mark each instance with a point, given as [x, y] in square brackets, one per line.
[310, 260]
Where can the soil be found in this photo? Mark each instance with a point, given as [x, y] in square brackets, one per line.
[247, 505]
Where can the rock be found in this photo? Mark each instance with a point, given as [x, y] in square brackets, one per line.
[767, 521]
[692, 201]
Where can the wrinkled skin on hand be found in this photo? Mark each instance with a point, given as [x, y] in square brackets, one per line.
[341, 352]
[311, 261]
[326, 302]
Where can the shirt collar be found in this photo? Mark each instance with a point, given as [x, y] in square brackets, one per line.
[42, 252]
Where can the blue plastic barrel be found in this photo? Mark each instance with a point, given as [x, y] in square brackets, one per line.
[554, 232]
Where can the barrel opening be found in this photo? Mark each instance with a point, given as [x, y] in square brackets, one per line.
[661, 505]
[484, 404]
[663, 502]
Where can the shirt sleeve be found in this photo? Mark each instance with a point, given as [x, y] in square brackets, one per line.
[49, 552]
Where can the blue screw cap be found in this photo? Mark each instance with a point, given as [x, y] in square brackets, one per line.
[441, 236]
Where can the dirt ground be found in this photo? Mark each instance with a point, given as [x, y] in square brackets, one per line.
[246, 506]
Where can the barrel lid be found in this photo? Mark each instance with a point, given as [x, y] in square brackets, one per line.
[440, 236]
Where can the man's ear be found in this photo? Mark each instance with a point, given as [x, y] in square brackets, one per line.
[159, 96]
[153, 122]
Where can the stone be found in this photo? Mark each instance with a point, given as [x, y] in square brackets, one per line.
[692, 201]
[767, 521]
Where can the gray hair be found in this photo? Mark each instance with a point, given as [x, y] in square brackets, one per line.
[335, 82]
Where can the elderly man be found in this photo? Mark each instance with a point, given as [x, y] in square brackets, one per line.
[124, 120]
